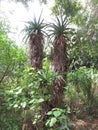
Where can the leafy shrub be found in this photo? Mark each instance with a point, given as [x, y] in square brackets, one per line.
[57, 119]
[82, 84]
[28, 91]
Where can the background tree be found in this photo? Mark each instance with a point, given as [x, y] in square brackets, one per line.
[12, 61]
[82, 51]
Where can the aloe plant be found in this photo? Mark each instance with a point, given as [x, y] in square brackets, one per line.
[59, 31]
[34, 35]
[34, 32]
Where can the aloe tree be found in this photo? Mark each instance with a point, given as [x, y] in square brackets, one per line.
[59, 63]
[34, 31]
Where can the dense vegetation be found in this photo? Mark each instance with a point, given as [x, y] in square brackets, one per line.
[60, 79]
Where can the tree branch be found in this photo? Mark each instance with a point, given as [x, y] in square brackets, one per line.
[2, 78]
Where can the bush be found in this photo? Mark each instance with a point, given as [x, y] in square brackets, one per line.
[83, 84]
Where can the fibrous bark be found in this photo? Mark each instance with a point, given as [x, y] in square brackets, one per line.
[59, 65]
[36, 51]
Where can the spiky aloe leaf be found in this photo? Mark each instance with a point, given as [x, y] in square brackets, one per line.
[34, 27]
[59, 27]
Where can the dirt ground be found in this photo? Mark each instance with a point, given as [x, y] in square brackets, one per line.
[84, 124]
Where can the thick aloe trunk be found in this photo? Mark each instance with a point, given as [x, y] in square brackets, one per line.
[36, 51]
[59, 65]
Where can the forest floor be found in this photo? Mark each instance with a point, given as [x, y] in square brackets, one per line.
[85, 124]
[82, 118]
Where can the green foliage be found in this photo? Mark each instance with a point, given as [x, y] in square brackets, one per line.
[24, 96]
[12, 60]
[68, 8]
[83, 55]
[57, 116]
[84, 81]
[84, 44]
[88, 36]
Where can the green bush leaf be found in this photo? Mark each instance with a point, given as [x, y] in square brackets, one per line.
[57, 113]
[23, 104]
[52, 121]
[40, 100]
[15, 106]
[49, 113]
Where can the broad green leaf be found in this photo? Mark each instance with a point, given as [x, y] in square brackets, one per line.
[41, 100]
[52, 121]
[19, 91]
[16, 105]
[31, 101]
[23, 104]
[49, 113]
[57, 113]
